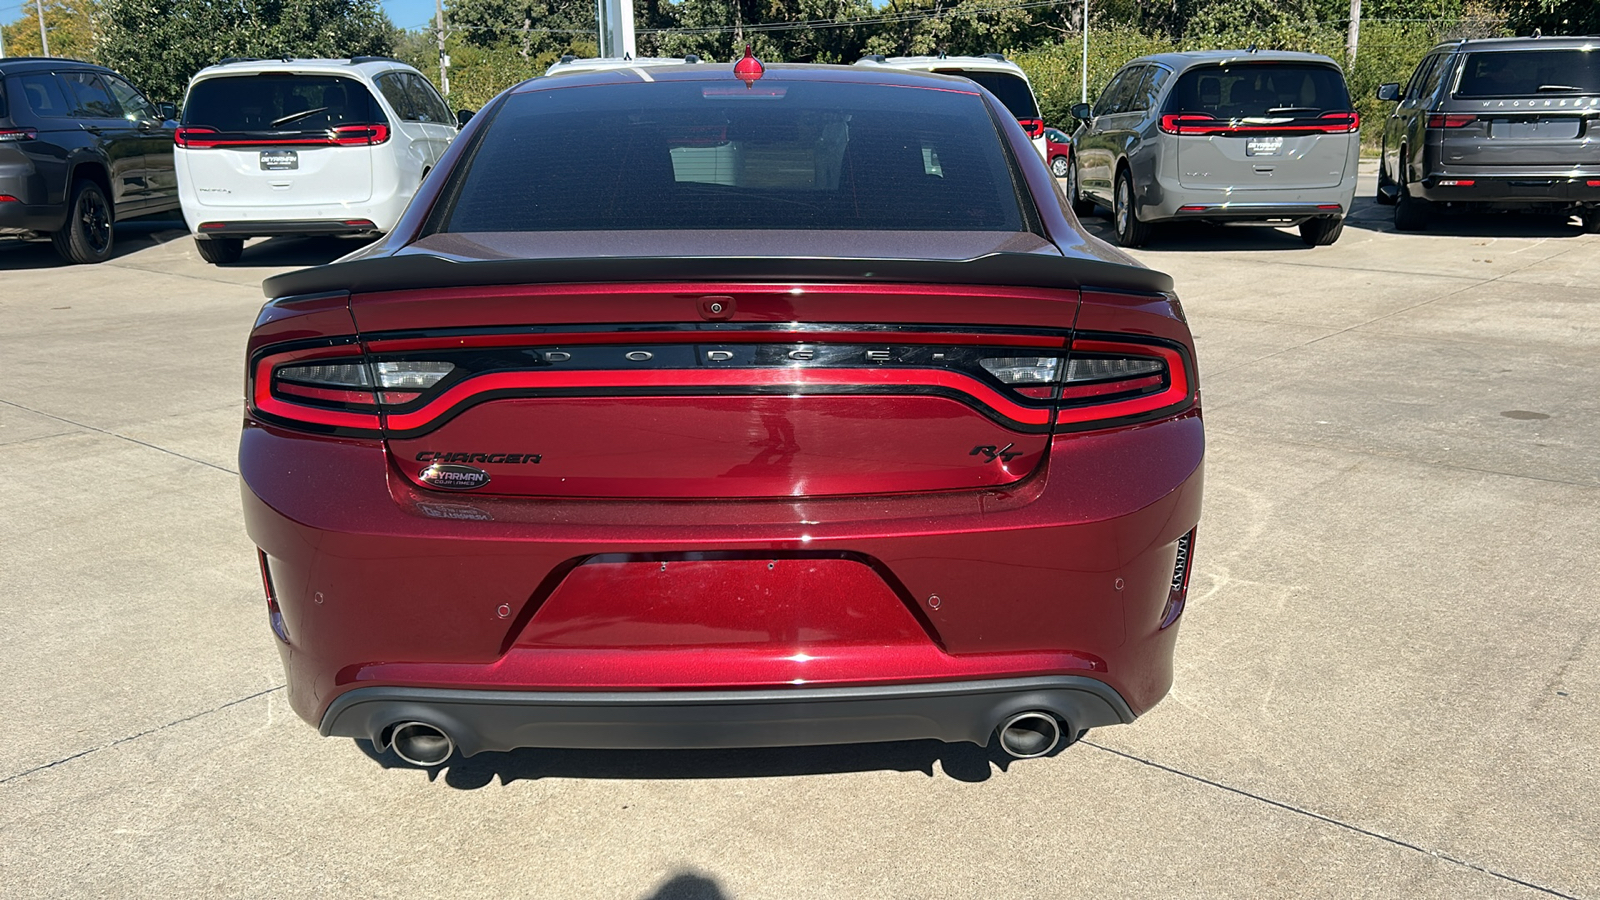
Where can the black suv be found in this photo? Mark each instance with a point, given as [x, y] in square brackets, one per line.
[80, 148]
[1510, 123]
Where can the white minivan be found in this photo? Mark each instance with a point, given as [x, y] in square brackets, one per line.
[1000, 76]
[302, 147]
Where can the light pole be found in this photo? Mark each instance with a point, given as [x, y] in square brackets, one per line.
[1085, 73]
[615, 18]
[44, 39]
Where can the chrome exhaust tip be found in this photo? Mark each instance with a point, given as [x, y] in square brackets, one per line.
[1030, 734]
[421, 744]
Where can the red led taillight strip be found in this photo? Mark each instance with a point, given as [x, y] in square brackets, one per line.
[1176, 392]
[262, 399]
[1328, 123]
[199, 137]
[409, 345]
[667, 379]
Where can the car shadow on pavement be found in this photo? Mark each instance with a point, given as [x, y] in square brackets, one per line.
[688, 886]
[296, 252]
[1512, 224]
[129, 238]
[960, 761]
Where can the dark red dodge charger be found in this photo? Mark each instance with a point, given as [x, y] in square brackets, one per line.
[694, 408]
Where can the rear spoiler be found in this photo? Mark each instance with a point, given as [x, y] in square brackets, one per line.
[416, 270]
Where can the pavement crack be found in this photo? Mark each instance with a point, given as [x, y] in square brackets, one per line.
[131, 440]
[1337, 823]
[133, 737]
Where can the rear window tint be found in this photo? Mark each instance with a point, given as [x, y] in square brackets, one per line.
[1253, 90]
[696, 155]
[1529, 73]
[1011, 89]
[254, 103]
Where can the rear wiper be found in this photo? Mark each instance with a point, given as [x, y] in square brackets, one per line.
[1558, 87]
[295, 117]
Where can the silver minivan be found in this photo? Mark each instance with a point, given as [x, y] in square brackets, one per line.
[1221, 136]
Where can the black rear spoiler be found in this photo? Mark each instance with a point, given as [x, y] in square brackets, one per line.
[412, 271]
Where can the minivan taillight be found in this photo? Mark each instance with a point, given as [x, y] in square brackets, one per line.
[1194, 124]
[201, 137]
[1034, 127]
[12, 135]
[1450, 120]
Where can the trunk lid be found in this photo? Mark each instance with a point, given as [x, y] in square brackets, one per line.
[1528, 107]
[1261, 126]
[741, 406]
[714, 390]
[281, 139]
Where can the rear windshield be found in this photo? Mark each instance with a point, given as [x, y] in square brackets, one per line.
[1011, 89]
[1528, 73]
[697, 155]
[1255, 90]
[256, 103]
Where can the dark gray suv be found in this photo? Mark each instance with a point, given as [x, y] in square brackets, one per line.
[80, 149]
[1511, 123]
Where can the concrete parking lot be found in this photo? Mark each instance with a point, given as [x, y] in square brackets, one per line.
[1388, 677]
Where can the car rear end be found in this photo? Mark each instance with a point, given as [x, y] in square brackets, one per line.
[31, 160]
[1257, 137]
[999, 76]
[606, 449]
[284, 150]
[1517, 127]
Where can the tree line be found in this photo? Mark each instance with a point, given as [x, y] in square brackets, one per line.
[492, 44]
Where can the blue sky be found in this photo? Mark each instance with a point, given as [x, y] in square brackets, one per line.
[405, 13]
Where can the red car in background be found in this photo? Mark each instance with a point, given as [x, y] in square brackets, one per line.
[725, 407]
[1058, 151]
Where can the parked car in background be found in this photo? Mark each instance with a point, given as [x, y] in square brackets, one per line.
[305, 146]
[1510, 123]
[570, 63]
[998, 75]
[860, 440]
[81, 149]
[1058, 151]
[1221, 136]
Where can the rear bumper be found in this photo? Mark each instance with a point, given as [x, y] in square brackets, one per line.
[1258, 212]
[1530, 190]
[635, 720]
[248, 229]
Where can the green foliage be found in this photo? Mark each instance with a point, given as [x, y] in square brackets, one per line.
[160, 44]
[1552, 17]
[70, 24]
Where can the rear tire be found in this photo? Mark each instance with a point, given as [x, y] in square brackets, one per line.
[220, 251]
[1591, 220]
[86, 237]
[1080, 206]
[1124, 218]
[1321, 231]
[1411, 213]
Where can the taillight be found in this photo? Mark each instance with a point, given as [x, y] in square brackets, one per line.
[1100, 381]
[195, 137]
[1178, 592]
[201, 137]
[1034, 127]
[1194, 124]
[12, 135]
[358, 135]
[1450, 120]
[338, 390]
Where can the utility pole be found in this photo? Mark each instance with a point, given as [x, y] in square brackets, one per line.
[1355, 32]
[44, 39]
[615, 18]
[444, 60]
[2, 42]
[1085, 89]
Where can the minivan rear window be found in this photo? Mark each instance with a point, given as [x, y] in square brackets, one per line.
[257, 103]
[1258, 90]
[1530, 73]
[708, 155]
[1012, 90]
